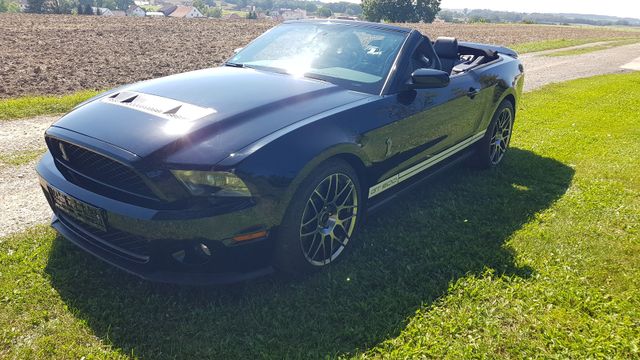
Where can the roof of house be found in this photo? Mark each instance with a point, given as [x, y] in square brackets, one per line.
[168, 9]
[181, 11]
[134, 8]
[103, 11]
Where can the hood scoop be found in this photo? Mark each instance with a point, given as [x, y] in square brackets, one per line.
[159, 106]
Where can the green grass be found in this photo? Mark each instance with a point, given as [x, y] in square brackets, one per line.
[30, 106]
[554, 44]
[21, 158]
[537, 259]
[589, 49]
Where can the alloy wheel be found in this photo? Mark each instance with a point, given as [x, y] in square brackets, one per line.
[501, 136]
[329, 219]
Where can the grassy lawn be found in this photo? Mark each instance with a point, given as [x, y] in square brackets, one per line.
[589, 49]
[537, 259]
[30, 106]
[21, 158]
[556, 44]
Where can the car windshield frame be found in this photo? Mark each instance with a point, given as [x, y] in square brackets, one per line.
[351, 78]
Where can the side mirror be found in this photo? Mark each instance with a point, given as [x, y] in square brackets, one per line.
[428, 79]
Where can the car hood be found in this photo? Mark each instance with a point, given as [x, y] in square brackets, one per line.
[204, 115]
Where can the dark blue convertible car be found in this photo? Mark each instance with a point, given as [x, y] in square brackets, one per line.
[272, 160]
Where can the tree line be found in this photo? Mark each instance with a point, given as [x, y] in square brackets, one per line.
[492, 16]
[372, 10]
[82, 7]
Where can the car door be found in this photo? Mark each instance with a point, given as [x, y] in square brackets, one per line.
[428, 121]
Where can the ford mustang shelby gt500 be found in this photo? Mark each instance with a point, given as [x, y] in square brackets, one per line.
[272, 160]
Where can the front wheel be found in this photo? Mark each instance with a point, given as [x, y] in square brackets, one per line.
[320, 221]
[491, 149]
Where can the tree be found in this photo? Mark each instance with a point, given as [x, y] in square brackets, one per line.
[310, 7]
[400, 10]
[123, 4]
[59, 6]
[426, 10]
[36, 6]
[109, 4]
[215, 12]
[200, 5]
[324, 12]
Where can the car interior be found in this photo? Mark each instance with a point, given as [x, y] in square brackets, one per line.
[456, 59]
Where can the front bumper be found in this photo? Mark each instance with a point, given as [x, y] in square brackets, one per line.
[162, 245]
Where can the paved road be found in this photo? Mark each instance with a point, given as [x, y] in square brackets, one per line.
[22, 204]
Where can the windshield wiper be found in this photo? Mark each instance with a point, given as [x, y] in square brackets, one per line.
[317, 77]
[238, 65]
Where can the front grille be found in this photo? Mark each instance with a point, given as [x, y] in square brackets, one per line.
[126, 245]
[97, 168]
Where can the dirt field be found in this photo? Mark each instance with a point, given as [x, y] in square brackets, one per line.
[56, 54]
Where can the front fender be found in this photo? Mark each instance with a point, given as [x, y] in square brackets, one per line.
[277, 169]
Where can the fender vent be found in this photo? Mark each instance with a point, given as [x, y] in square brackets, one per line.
[160, 106]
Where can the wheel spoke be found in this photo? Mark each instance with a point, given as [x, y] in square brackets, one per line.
[347, 197]
[324, 200]
[315, 217]
[308, 233]
[347, 186]
[313, 241]
[329, 219]
[320, 244]
[329, 188]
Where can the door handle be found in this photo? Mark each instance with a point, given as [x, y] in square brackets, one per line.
[472, 92]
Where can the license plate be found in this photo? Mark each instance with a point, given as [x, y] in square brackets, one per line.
[78, 210]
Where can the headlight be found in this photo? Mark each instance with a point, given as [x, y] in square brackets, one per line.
[205, 183]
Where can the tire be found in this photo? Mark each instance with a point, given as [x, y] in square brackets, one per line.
[490, 151]
[321, 220]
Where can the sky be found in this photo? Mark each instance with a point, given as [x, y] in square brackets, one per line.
[621, 8]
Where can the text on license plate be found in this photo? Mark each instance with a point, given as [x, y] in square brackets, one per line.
[78, 210]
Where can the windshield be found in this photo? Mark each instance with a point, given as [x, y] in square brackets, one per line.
[355, 57]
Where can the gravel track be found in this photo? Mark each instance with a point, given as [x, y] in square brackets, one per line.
[541, 70]
[22, 204]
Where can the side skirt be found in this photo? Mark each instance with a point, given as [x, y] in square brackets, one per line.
[419, 168]
[379, 205]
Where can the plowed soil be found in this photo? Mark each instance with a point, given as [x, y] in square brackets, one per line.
[57, 54]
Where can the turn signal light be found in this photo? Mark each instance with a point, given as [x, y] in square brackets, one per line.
[250, 236]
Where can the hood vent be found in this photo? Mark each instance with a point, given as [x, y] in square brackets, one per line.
[160, 106]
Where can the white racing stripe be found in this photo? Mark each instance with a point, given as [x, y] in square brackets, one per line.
[416, 169]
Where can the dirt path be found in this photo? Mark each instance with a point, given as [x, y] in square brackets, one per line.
[541, 70]
[22, 204]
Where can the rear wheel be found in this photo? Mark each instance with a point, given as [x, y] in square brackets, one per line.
[491, 149]
[320, 221]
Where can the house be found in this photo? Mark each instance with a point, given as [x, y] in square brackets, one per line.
[296, 14]
[233, 16]
[135, 10]
[155, 14]
[186, 12]
[119, 13]
[24, 5]
[168, 9]
[101, 11]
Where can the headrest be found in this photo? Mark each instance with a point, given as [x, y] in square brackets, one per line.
[446, 47]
